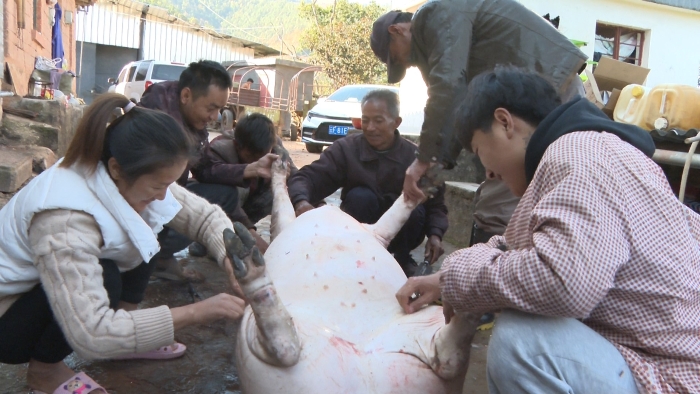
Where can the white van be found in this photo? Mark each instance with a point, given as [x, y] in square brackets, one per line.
[137, 76]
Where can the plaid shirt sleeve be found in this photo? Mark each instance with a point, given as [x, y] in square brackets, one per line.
[599, 236]
[576, 248]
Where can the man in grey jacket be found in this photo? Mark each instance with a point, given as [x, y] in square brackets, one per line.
[452, 41]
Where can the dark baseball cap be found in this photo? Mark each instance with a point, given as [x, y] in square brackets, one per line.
[379, 41]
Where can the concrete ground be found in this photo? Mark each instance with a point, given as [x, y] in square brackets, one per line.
[208, 366]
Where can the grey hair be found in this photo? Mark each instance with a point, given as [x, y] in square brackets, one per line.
[390, 98]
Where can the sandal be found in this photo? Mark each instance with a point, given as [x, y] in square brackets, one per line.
[80, 383]
[164, 353]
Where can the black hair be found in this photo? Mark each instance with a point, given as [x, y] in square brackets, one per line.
[198, 76]
[255, 133]
[140, 140]
[390, 98]
[525, 94]
[404, 17]
[250, 80]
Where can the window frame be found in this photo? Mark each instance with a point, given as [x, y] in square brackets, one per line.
[638, 58]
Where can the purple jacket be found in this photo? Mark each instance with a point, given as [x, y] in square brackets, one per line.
[220, 164]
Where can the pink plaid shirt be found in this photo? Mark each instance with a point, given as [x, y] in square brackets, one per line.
[598, 236]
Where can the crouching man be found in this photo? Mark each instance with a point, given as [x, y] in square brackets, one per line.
[593, 299]
[370, 168]
[234, 172]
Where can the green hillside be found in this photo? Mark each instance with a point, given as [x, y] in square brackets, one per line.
[262, 21]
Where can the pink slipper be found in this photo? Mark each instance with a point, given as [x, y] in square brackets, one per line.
[164, 353]
[80, 383]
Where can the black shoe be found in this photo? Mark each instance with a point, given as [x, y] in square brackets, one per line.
[197, 250]
[407, 263]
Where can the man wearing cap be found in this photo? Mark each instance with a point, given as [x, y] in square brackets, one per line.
[453, 41]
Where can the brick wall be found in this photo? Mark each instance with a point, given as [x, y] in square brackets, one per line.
[22, 45]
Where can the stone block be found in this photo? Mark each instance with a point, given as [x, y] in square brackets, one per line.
[16, 130]
[459, 198]
[15, 169]
[42, 157]
[64, 119]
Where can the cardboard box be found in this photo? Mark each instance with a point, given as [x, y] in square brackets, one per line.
[611, 76]
[612, 102]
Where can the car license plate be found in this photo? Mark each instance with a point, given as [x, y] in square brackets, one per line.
[338, 130]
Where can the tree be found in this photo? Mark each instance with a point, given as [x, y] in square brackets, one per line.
[338, 37]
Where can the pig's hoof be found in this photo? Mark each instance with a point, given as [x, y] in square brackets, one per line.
[430, 182]
[240, 246]
[280, 167]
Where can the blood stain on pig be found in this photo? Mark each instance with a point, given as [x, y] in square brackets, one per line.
[325, 287]
[364, 291]
[342, 344]
[360, 264]
[353, 305]
[360, 283]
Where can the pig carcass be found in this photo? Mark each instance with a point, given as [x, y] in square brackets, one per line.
[323, 317]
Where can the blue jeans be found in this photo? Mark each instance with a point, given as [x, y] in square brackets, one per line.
[540, 354]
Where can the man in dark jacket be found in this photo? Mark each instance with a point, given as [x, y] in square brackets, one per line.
[234, 171]
[367, 167]
[193, 101]
[451, 41]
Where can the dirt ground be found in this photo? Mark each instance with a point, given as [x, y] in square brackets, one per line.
[208, 366]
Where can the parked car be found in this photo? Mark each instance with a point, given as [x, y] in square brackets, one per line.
[137, 76]
[331, 119]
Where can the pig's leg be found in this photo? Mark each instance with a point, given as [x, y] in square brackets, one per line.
[276, 341]
[451, 344]
[391, 222]
[282, 209]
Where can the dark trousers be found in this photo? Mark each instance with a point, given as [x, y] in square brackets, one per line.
[366, 207]
[479, 236]
[224, 196]
[28, 329]
[256, 206]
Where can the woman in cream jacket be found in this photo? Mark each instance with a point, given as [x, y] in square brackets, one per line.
[75, 242]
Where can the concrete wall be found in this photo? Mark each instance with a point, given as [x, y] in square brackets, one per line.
[671, 48]
[24, 42]
[99, 63]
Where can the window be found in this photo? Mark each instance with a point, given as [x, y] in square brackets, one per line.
[36, 15]
[122, 76]
[132, 71]
[620, 43]
[166, 72]
[354, 94]
[142, 71]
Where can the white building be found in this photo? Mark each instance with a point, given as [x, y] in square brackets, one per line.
[661, 35]
[110, 34]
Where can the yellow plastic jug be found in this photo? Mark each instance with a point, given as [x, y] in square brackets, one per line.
[631, 105]
[673, 106]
